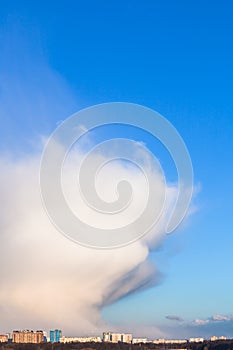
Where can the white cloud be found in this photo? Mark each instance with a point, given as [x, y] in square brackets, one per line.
[199, 322]
[220, 318]
[46, 279]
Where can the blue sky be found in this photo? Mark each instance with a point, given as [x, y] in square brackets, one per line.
[172, 56]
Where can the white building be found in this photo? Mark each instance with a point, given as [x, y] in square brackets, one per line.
[159, 341]
[196, 340]
[175, 341]
[139, 340]
[214, 338]
[169, 341]
[222, 338]
[117, 337]
[80, 339]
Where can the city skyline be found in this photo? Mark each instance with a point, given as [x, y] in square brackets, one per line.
[172, 57]
[56, 336]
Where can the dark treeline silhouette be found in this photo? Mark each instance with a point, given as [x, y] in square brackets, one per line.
[206, 345]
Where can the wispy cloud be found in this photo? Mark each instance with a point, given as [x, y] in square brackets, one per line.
[174, 318]
[33, 95]
[199, 322]
[221, 318]
[214, 318]
[219, 325]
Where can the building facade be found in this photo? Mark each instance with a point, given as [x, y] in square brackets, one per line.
[196, 340]
[80, 339]
[55, 336]
[139, 340]
[214, 338]
[117, 337]
[27, 336]
[4, 338]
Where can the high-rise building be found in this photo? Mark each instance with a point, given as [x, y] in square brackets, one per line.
[117, 337]
[27, 336]
[55, 336]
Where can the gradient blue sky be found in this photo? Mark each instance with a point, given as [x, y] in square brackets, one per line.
[172, 56]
